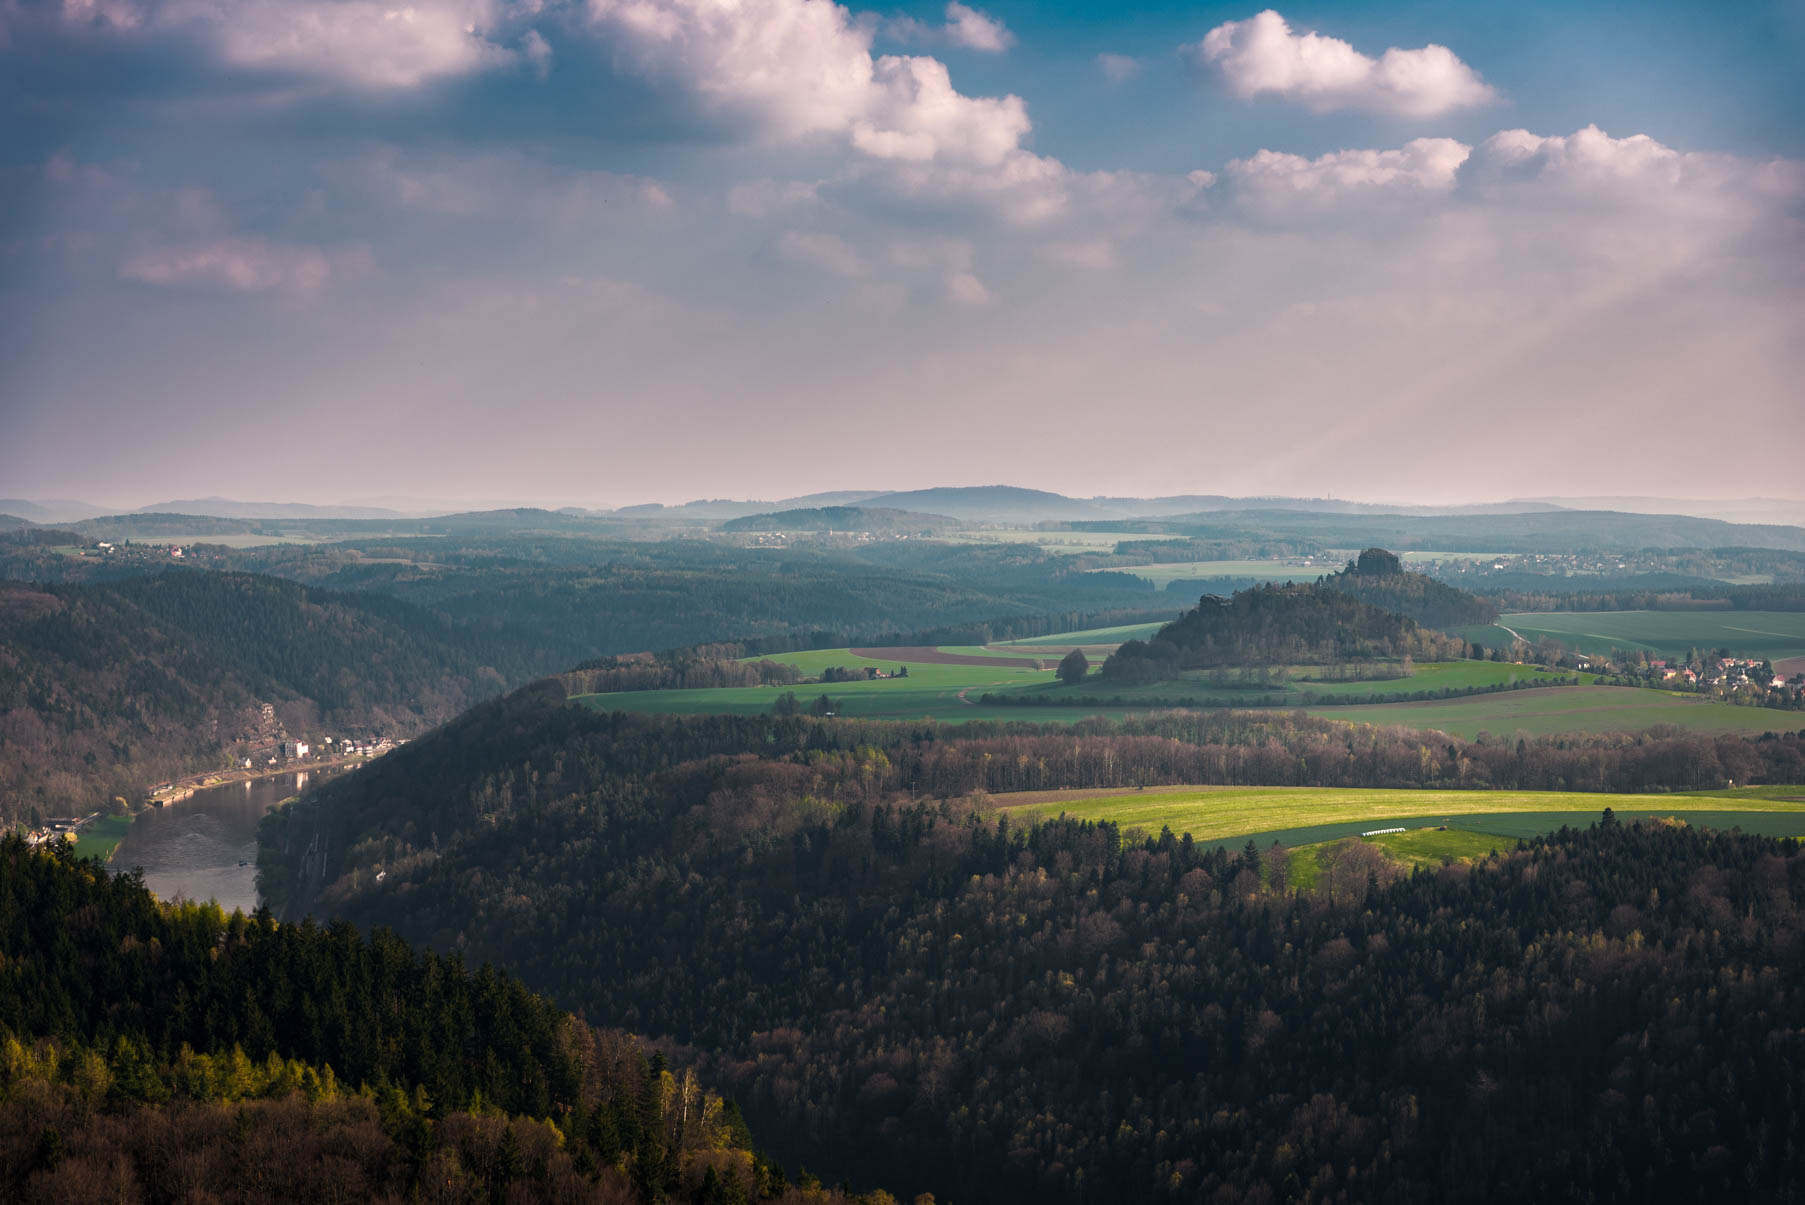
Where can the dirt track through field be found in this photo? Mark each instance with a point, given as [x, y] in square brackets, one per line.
[923, 655]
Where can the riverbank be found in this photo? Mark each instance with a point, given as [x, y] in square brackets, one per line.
[101, 838]
[183, 788]
[205, 848]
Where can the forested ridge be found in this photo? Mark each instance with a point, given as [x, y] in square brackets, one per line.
[112, 684]
[106, 689]
[557, 600]
[902, 987]
[159, 1052]
[1378, 577]
[1272, 624]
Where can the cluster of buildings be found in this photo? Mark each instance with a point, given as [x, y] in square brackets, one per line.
[1726, 675]
[289, 750]
[59, 827]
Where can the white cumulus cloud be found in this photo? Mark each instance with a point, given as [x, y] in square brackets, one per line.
[797, 68]
[1591, 167]
[975, 30]
[366, 43]
[1275, 182]
[1262, 55]
[966, 28]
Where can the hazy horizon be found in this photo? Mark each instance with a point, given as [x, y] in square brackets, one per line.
[426, 505]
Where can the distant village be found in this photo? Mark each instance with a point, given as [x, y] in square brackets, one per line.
[1738, 679]
[265, 750]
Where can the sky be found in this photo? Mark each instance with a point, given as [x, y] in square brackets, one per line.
[596, 252]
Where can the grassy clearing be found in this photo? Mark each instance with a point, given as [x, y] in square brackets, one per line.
[1573, 709]
[101, 838]
[1305, 815]
[1770, 634]
[1426, 847]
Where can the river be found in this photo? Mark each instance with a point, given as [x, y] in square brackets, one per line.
[205, 847]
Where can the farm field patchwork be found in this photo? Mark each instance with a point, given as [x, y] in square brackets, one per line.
[1771, 634]
[1301, 688]
[949, 683]
[937, 678]
[1573, 709]
[1308, 815]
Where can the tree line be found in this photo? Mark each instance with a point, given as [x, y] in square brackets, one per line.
[1273, 624]
[169, 1050]
[909, 986]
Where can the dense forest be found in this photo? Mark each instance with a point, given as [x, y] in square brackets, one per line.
[1270, 624]
[106, 689]
[159, 1052]
[564, 599]
[708, 666]
[1567, 595]
[901, 986]
[1378, 577]
[139, 671]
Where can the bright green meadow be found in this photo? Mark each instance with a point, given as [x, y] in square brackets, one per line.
[1307, 815]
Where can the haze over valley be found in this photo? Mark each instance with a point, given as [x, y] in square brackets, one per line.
[711, 602]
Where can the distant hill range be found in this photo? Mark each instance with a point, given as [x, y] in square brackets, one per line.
[51, 510]
[226, 508]
[843, 518]
[1789, 511]
[1522, 525]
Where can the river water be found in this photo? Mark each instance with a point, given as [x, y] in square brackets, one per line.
[205, 847]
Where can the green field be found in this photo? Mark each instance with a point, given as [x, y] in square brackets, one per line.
[1197, 686]
[1771, 634]
[101, 838]
[1307, 815]
[933, 690]
[1574, 709]
[1091, 636]
[1429, 847]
